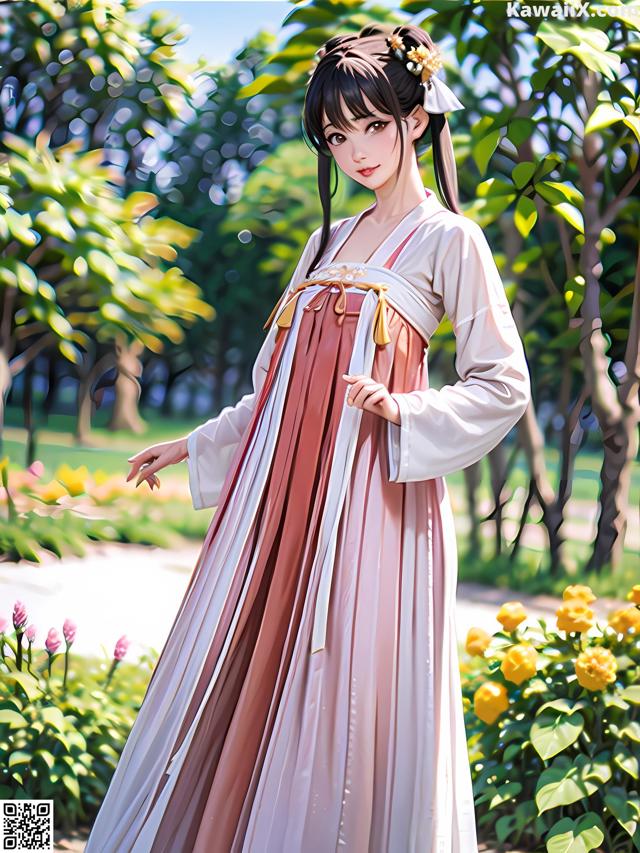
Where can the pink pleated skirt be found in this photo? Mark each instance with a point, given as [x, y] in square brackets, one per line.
[300, 752]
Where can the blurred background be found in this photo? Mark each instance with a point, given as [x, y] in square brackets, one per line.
[155, 195]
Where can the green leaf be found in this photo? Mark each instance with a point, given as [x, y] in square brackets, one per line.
[570, 780]
[626, 760]
[588, 44]
[625, 807]
[522, 174]
[103, 265]
[28, 683]
[483, 150]
[571, 214]
[631, 694]
[53, 717]
[551, 734]
[525, 215]
[12, 719]
[27, 279]
[633, 123]
[604, 115]
[19, 757]
[581, 835]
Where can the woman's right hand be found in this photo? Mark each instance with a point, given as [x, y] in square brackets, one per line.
[152, 459]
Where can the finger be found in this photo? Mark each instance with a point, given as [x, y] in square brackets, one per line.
[366, 392]
[146, 470]
[356, 388]
[376, 398]
[138, 460]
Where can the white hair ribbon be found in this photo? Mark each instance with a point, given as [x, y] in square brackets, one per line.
[439, 98]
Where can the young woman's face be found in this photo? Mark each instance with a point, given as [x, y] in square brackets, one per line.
[369, 150]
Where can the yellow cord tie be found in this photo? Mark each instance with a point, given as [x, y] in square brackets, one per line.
[380, 329]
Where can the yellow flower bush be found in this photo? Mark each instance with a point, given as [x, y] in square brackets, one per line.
[552, 724]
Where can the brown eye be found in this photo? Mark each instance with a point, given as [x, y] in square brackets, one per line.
[331, 136]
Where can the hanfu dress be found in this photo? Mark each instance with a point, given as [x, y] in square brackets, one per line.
[308, 697]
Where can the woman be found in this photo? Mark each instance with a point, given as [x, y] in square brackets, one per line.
[308, 694]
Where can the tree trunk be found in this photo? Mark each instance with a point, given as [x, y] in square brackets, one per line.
[620, 452]
[615, 419]
[84, 402]
[472, 476]
[125, 413]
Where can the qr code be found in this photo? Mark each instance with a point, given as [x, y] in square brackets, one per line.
[26, 825]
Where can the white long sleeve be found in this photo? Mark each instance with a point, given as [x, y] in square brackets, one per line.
[447, 429]
[211, 446]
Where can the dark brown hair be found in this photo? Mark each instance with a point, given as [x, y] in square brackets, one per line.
[356, 65]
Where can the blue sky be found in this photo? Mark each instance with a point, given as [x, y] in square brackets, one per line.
[220, 27]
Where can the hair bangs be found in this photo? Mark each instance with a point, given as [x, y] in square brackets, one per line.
[343, 95]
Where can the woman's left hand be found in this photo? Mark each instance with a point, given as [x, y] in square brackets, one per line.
[372, 396]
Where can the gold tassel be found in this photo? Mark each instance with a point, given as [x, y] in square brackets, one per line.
[341, 302]
[380, 330]
[285, 317]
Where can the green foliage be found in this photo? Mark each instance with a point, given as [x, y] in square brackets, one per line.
[64, 54]
[83, 260]
[287, 69]
[61, 737]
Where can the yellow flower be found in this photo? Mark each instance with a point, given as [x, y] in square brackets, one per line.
[574, 615]
[511, 614]
[634, 594]
[625, 619]
[578, 591]
[596, 668]
[114, 486]
[477, 642]
[4, 464]
[51, 491]
[395, 42]
[74, 479]
[490, 700]
[519, 663]
[427, 61]
[100, 477]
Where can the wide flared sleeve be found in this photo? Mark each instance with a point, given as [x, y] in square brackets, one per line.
[211, 446]
[447, 429]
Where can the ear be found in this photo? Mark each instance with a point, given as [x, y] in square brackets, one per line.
[419, 121]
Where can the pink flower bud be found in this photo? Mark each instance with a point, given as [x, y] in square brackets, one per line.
[53, 641]
[121, 647]
[4, 623]
[19, 615]
[36, 468]
[69, 630]
[30, 633]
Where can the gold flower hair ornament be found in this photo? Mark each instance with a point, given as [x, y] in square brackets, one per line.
[423, 63]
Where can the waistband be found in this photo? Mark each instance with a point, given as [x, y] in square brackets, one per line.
[380, 328]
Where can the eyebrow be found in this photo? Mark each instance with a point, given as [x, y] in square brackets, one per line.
[353, 118]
